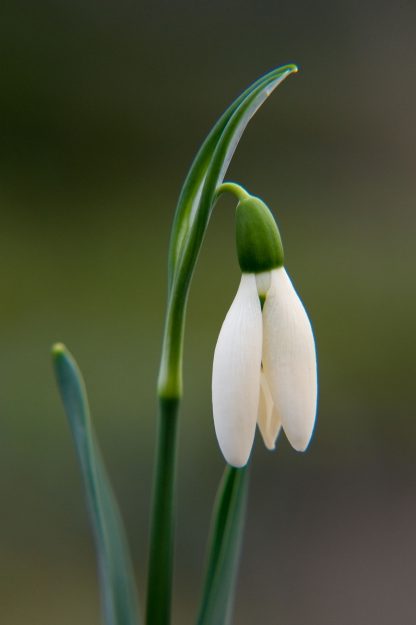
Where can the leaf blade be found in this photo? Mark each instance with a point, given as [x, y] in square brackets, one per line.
[197, 173]
[118, 592]
[224, 548]
[216, 153]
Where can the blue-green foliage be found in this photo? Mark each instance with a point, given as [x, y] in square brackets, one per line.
[224, 548]
[119, 596]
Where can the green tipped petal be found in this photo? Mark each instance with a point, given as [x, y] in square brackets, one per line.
[259, 246]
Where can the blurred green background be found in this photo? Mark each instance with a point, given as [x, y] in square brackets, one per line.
[102, 107]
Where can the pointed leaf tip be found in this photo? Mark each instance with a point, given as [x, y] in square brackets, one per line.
[58, 349]
[119, 596]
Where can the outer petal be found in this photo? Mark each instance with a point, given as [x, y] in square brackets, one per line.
[268, 420]
[289, 359]
[236, 374]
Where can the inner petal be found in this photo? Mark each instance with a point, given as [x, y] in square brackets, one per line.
[267, 419]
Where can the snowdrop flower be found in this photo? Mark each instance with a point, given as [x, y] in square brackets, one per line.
[264, 369]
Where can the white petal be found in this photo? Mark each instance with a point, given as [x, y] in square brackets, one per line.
[236, 374]
[268, 420]
[289, 359]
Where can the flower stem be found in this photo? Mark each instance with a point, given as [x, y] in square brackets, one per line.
[159, 589]
[235, 189]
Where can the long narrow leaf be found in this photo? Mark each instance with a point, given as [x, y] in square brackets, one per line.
[224, 548]
[119, 595]
[218, 147]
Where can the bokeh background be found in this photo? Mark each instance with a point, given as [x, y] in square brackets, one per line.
[102, 107]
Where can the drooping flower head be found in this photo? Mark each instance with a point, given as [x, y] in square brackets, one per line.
[264, 369]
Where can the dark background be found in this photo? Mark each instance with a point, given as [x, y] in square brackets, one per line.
[102, 107]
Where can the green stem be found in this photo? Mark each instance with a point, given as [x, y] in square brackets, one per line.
[231, 187]
[159, 588]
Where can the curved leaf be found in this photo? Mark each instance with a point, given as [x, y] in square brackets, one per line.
[119, 595]
[247, 104]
